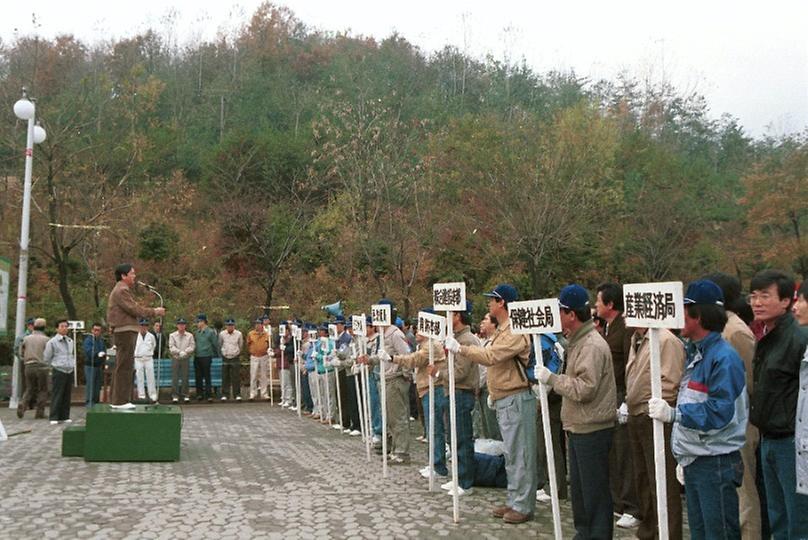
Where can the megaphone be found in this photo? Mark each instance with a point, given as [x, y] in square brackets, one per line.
[335, 309]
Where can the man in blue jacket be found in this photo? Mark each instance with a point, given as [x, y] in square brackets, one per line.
[95, 354]
[709, 420]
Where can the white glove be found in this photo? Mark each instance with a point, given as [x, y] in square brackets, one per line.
[335, 363]
[536, 390]
[490, 402]
[658, 409]
[383, 356]
[102, 354]
[680, 474]
[271, 353]
[452, 345]
[543, 374]
[622, 414]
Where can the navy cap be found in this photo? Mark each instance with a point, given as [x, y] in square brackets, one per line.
[143, 322]
[573, 296]
[201, 317]
[469, 306]
[339, 320]
[387, 302]
[310, 326]
[29, 320]
[428, 309]
[504, 291]
[368, 320]
[705, 292]
[264, 317]
[230, 321]
[181, 321]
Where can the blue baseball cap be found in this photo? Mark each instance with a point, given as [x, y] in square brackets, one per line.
[573, 296]
[181, 321]
[201, 317]
[143, 322]
[230, 321]
[387, 302]
[503, 291]
[705, 292]
[340, 320]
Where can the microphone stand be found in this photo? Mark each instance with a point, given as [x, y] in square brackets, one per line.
[159, 342]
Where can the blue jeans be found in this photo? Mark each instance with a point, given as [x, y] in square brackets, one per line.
[375, 404]
[788, 510]
[516, 415]
[464, 404]
[441, 406]
[589, 483]
[712, 499]
[93, 378]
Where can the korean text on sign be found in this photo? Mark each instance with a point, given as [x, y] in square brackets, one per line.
[430, 325]
[449, 296]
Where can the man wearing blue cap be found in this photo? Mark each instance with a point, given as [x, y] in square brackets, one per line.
[181, 346]
[506, 358]
[231, 342]
[588, 412]
[709, 420]
[207, 347]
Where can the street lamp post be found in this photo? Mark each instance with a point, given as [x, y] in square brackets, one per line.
[24, 109]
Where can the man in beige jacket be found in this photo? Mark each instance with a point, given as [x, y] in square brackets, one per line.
[506, 358]
[588, 412]
[641, 431]
[123, 313]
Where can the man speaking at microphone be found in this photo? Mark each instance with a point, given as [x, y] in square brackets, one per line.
[123, 313]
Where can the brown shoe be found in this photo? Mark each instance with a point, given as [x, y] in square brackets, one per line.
[514, 517]
[20, 410]
[500, 511]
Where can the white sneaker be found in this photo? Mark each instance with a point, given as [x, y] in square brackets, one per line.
[68, 421]
[187, 399]
[175, 400]
[447, 486]
[542, 496]
[125, 406]
[223, 398]
[355, 433]
[376, 439]
[238, 398]
[627, 521]
[460, 491]
[425, 473]
[337, 426]
[154, 399]
[54, 422]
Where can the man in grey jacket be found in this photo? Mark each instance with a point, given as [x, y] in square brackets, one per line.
[32, 352]
[57, 356]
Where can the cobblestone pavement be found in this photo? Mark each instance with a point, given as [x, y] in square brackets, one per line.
[246, 471]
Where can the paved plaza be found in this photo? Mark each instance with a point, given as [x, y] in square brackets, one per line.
[246, 471]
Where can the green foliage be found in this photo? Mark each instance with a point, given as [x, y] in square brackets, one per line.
[157, 242]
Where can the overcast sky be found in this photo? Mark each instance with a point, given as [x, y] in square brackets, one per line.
[750, 59]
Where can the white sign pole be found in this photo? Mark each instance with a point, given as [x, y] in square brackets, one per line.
[381, 320]
[548, 446]
[75, 326]
[655, 306]
[659, 439]
[451, 297]
[431, 418]
[366, 389]
[268, 330]
[339, 398]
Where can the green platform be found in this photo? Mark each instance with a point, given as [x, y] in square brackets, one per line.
[146, 433]
[73, 441]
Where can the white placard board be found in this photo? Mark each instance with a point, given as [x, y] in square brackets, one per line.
[312, 335]
[449, 296]
[282, 330]
[535, 316]
[297, 333]
[431, 325]
[332, 331]
[358, 325]
[380, 314]
[653, 305]
[75, 325]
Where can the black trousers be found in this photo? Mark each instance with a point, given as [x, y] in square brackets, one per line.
[62, 384]
[231, 377]
[202, 372]
[589, 484]
[350, 410]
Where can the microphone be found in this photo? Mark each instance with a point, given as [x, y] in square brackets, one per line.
[145, 285]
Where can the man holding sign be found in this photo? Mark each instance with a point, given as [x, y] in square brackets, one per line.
[514, 402]
[709, 420]
[588, 412]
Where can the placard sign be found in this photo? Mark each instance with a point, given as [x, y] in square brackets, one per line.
[75, 325]
[380, 313]
[312, 335]
[358, 325]
[449, 296]
[535, 316]
[268, 330]
[282, 330]
[653, 305]
[332, 331]
[297, 333]
[431, 325]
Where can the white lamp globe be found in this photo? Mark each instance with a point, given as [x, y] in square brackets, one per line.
[24, 109]
[39, 135]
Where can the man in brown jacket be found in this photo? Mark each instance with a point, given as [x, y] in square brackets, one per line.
[588, 412]
[609, 307]
[37, 371]
[641, 429]
[738, 334]
[123, 313]
[506, 358]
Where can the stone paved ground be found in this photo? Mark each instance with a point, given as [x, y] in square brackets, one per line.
[246, 471]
